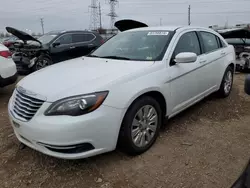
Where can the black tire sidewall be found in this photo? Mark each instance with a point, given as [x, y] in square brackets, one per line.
[40, 58]
[222, 90]
[125, 137]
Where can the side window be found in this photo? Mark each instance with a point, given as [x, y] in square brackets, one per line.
[223, 43]
[209, 41]
[78, 38]
[188, 42]
[65, 39]
[82, 37]
[89, 37]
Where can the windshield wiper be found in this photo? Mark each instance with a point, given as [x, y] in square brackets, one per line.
[115, 57]
[92, 55]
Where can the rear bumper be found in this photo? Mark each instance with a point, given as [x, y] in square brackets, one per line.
[8, 81]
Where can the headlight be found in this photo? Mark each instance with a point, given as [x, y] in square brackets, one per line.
[77, 105]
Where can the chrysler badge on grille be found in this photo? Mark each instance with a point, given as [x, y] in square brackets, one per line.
[26, 92]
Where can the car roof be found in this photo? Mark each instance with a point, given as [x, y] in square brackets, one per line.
[58, 32]
[168, 28]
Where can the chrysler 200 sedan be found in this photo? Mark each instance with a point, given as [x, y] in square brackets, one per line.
[120, 94]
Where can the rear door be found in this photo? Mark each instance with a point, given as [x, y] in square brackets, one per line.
[210, 64]
[83, 44]
[63, 51]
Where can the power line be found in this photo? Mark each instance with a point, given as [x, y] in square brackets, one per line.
[186, 2]
[198, 13]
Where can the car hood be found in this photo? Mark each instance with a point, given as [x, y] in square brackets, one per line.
[235, 33]
[124, 25]
[21, 35]
[78, 76]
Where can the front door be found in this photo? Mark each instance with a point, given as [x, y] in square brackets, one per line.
[183, 77]
[63, 51]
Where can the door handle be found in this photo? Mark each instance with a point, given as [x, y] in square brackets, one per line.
[223, 53]
[72, 47]
[203, 61]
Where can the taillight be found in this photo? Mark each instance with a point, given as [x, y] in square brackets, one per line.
[6, 54]
[102, 41]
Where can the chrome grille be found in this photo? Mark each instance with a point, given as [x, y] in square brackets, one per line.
[26, 106]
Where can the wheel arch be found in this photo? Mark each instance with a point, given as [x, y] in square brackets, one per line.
[154, 93]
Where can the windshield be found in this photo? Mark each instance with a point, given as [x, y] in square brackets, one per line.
[135, 45]
[46, 38]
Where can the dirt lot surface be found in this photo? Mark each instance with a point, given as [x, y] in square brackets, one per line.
[205, 146]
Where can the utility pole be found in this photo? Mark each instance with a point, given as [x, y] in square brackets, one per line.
[93, 15]
[42, 24]
[189, 15]
[100, 15]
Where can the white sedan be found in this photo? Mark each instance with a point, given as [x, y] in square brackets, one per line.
[8, 71]
[120, 94]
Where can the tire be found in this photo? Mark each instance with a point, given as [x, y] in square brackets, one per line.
[126, 141]
[42, 62]
[224, 90]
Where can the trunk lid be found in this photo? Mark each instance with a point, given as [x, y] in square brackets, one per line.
[124, 25]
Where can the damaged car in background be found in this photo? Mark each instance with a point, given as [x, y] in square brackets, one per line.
[240, 39]
[33, 54]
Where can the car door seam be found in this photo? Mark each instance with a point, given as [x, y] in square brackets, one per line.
[193, 70]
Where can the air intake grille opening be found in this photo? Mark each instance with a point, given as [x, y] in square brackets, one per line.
[26, 106]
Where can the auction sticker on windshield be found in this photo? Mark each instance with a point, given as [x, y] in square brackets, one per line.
[158, 33]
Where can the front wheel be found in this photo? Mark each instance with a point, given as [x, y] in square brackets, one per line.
[42, 62]
[226, 84]
[141, 126]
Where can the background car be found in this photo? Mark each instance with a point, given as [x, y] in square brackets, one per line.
[53, 47]
[240, 39]
[8, 71]
[9, 42]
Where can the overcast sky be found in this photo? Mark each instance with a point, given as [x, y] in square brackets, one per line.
[75, 14]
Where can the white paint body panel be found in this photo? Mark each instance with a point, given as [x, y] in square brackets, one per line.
[7, 66]
[182, 85]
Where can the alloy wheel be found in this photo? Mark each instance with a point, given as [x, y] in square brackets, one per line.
[144, 126]
[228, 82]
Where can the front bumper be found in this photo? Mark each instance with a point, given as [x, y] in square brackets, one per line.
[94, 133]
[22, 63]
[8, 81]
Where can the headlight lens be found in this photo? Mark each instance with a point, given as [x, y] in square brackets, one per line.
[77, 105]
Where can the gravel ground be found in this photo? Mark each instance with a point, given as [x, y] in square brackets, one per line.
[205, 146]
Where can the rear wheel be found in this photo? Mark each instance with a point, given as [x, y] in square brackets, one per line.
[226, 84]
[140, 126]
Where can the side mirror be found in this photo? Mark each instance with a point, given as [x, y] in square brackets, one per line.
[56, 44]
[185, 57]
[247, 85]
